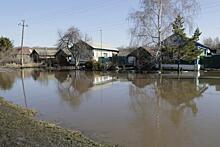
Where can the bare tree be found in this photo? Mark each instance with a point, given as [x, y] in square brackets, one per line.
[72, 40]
[212, 43]
[153, 22]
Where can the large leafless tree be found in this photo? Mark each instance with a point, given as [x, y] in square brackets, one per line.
[72, 41]
[153, 21]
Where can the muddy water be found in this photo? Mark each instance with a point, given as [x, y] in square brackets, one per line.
[132, 110]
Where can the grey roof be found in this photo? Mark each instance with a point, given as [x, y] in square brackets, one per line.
[125, 52]
[66, 51]
[46, 51]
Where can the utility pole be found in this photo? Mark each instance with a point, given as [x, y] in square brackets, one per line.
[23, 25]
[101, 39]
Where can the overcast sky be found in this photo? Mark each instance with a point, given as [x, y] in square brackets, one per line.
[46, 17]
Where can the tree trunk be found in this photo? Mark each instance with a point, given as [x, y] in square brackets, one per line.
[178, 60]
[76, 63]
[159, 23]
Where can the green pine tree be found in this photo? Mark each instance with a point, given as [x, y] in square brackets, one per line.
[185, 47]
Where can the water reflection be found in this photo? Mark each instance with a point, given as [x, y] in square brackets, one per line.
[153, 99]
[7, 80]
[23, 88]
[136, 109]
[72, 85]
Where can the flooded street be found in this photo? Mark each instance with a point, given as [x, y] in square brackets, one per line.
[132, 110]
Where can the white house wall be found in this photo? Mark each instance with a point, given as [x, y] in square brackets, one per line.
[101, 53]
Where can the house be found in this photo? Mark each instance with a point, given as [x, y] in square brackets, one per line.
[104, 52]
[121, 58]
[93, 52]
[141, 57]
[63, 57]
[39, 55]
[174, 40]
[84, 50]
[17, 53]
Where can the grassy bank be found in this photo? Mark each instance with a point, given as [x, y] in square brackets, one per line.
[19, 128]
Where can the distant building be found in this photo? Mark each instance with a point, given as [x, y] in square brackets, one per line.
[17, 54]
[92, 52]
[63, 57]
[104, 52]
[141, 57]
[39, 55]
[122, 57]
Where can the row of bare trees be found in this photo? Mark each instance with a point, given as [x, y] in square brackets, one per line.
[213, 43]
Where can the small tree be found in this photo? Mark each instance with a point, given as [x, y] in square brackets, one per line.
[184, 48]
[6, 46]
[72, 40]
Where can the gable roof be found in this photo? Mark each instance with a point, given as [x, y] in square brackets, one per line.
[202, 46]
[140, 51]
[125, 52]
[133, 51]
[65, 51]
[82, 44]
[26, 50]
[45, 51]
[104, 47]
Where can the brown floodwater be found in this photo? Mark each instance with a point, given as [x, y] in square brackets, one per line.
[132, 110]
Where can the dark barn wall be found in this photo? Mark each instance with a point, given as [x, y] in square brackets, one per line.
[212, 62]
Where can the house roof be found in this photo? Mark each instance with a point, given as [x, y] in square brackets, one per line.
[46, 51]
[82, 44]
[203, 46]
[66, 51]
[125, 52]
[106, 47]
[151, 50]
[26, 50]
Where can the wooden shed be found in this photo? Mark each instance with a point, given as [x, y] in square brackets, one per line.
[63, 57]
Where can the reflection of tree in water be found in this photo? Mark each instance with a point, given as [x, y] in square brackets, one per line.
[141, 92]
[42, 77]
[180, 94]
[74, 85]
[7, 80]
[158, 100]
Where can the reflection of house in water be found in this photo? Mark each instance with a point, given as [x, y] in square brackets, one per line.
[102, 79]
[73, 86]
[42, 77]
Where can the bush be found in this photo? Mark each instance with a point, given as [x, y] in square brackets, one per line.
[93, 65]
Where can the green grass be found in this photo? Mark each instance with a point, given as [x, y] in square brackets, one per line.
[18, 128]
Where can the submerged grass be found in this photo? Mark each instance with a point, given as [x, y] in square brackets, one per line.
[18, 128]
